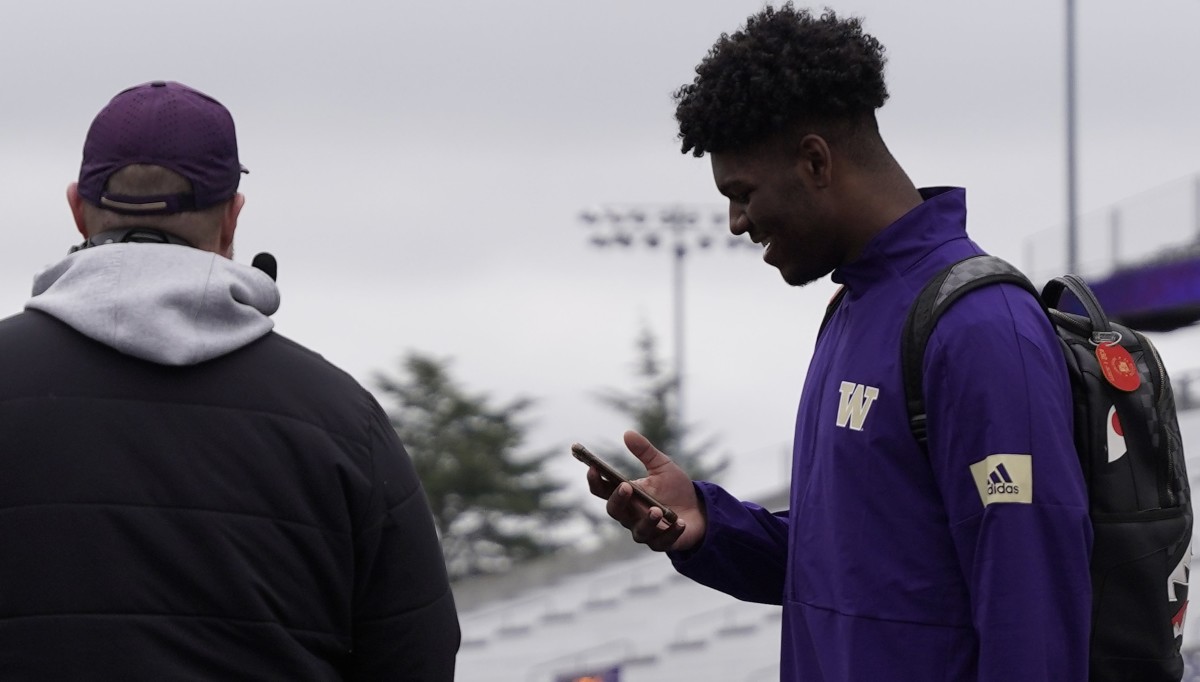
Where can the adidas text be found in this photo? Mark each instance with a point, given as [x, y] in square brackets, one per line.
[1002, 489]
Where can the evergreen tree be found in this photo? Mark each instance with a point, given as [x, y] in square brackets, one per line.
[652, 409]
[492, 503]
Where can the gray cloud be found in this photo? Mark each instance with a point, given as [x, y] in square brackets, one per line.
[417, 168]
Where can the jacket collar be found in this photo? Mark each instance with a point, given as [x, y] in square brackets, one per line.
[940, 218]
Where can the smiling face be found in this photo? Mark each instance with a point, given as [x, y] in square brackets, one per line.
[780, 194]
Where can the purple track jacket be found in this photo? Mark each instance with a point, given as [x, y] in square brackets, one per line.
[969, 563]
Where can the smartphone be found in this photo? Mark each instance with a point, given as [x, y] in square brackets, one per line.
[608, 473]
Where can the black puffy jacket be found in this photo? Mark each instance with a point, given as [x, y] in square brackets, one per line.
[251, 516]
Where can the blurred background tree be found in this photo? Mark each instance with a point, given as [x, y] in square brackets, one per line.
[650, 406]
[494, 504]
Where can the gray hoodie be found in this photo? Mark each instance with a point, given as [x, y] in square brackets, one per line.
[169, 304]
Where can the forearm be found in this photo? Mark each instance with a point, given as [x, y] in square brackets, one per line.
[744, 550]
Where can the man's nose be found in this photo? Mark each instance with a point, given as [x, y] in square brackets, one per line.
[738, 222]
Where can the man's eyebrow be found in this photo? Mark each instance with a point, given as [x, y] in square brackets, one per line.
[731, 187]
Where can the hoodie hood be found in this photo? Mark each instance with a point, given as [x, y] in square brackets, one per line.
[173, 305]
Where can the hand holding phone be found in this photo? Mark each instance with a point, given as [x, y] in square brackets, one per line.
[609, 473]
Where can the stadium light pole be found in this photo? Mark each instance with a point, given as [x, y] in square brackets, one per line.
[1072, 210]
[685, 229]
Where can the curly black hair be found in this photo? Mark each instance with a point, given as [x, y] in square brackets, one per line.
[784, 67]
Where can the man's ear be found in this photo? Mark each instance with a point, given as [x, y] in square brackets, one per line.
[76, 203]
[229, 223]
[814, 161]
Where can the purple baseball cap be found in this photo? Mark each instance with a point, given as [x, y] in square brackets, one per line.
[168, 124]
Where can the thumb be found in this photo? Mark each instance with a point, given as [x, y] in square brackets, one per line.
[650, 456]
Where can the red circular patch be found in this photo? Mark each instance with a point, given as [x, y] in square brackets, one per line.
[1118, 367]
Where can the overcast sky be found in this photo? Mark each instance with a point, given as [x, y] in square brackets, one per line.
[418, 169]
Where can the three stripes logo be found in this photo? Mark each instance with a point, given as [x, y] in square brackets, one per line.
[1000, 482]
[1004, 478]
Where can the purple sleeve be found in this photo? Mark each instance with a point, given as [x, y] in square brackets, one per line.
[744, 551]
[999, 408]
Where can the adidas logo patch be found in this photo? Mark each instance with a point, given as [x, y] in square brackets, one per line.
[1004, 478]
[999, 482]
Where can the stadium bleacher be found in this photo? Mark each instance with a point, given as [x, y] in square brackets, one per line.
[622, 613]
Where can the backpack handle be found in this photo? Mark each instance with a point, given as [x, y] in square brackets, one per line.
[1102, 331]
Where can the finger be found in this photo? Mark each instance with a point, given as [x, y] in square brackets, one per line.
[666, 539]
[644, 450]
[649, 522]
[598, 485]
[645, 529]
[654, 532]
[622, 507]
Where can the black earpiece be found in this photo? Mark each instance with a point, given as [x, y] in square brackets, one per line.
[131, 235]
[266, 262]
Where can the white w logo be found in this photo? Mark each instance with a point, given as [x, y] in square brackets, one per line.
[855, 403]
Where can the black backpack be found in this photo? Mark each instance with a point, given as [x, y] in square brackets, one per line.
[1139, 501]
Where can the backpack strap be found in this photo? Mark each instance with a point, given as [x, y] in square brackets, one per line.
[938, 294]
[832, 307]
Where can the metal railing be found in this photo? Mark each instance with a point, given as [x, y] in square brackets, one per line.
[1186, 386]
[1156, 223]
